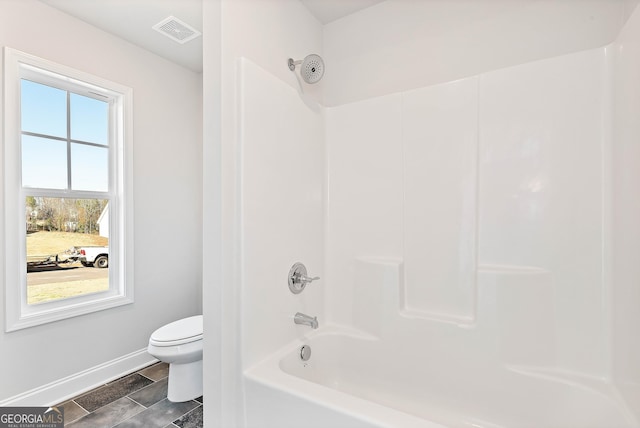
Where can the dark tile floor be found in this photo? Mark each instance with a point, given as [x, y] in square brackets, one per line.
[136, 400]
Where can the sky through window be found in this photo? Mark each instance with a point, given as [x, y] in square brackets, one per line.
[65, 139]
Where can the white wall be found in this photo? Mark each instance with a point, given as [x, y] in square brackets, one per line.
[399, 45]
[449, 181]
[364, 193]
[475, 173]
[626, 211]
[282, 159]
[167, 196]
[266, 34]
[217, 382]
[440, 150]
[539, 205]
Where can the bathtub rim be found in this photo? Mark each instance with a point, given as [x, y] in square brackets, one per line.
[268, 372]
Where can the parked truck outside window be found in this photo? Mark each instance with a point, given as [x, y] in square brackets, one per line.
[93, 256]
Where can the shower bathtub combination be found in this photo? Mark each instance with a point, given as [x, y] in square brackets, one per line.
[466, 210]
[393, 377]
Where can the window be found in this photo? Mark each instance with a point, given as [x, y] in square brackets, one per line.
[67, 194]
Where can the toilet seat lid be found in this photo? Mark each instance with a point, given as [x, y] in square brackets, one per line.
[178, 332]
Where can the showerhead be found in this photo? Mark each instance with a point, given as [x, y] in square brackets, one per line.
[312, 68]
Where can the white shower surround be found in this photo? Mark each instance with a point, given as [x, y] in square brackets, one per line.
[544, 291]
[474, 173]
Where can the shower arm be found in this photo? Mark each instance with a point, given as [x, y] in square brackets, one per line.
[292, 64]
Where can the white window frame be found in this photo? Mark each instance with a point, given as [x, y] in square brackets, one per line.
[19, 314]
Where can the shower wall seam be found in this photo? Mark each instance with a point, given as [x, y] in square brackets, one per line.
[608, 91]
[477, 204]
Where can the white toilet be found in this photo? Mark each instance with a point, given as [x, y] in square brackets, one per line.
[180, 344]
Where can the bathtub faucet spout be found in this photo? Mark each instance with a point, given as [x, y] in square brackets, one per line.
[303, 319]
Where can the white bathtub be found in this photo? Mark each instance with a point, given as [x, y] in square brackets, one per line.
[349, 382]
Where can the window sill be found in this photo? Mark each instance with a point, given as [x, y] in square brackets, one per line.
[49, 312]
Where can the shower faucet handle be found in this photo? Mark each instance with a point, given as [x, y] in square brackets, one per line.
[307, 280]
[298, 278]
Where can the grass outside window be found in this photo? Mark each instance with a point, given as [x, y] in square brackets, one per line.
[71, 282]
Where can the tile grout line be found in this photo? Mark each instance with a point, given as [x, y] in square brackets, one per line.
[79, 417]
[151, 379]
[78, 404]
[139, 404]
[145, 408]
[112, 401]
[147, 377]
[190, 411]
[124, 420]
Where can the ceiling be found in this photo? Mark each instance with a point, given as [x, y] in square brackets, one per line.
[330, 10]
[132, 21]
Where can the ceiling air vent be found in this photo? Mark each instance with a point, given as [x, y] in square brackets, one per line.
[176, 30]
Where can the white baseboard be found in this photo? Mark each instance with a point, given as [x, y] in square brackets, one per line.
[63, 389]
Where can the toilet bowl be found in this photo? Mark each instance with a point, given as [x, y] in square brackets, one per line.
[180, 344]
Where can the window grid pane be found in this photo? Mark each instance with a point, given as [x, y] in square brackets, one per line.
[89, 168]
[43, 109]
[89, 119]
[65, 121]
[64, 236]
[44, 163]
